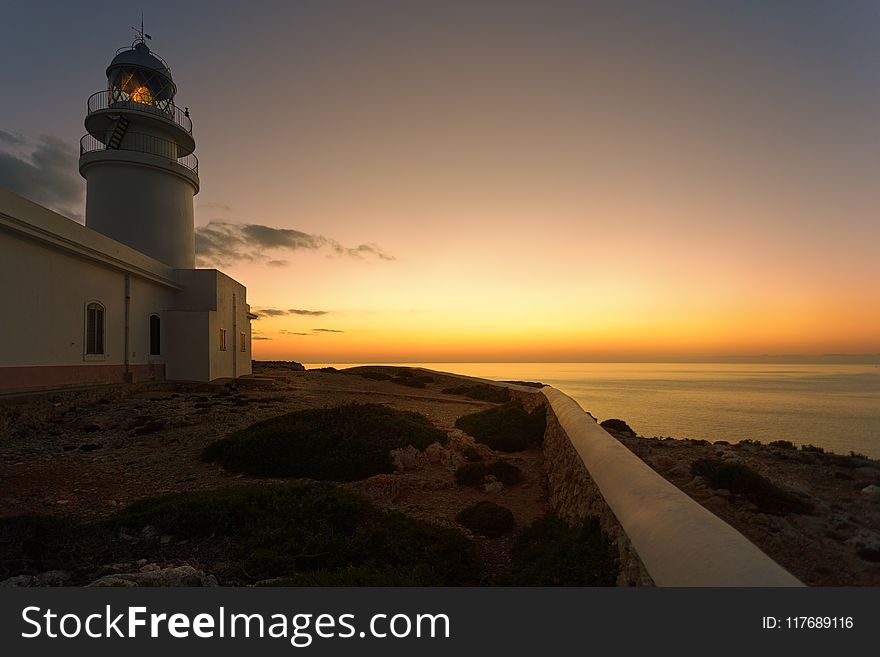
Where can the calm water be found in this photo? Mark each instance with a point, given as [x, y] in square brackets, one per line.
[834, 406]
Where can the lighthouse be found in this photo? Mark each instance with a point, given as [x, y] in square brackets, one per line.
[120, 300]
[138, 159]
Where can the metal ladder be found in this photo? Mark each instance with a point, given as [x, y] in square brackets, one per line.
[118, 133]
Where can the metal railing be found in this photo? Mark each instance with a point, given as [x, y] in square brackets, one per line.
[103, 100]
[141, 143]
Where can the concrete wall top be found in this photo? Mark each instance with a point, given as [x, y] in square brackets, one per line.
[680, 542]
[33, 221]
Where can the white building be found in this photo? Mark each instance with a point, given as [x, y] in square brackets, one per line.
[119, 299]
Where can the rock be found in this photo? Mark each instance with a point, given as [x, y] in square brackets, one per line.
[873, 490]
[52, 578]
[18, 581]
[148, 532]
[161, 577]
[723, 492]
[493, 487]
[434, 453]
[164, 539]
[405, 458]
[618, 426]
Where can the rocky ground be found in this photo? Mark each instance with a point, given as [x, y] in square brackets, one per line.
[836, 544]
[86, 456]
[87, 459]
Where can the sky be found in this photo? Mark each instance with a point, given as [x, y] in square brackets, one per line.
[501, 181]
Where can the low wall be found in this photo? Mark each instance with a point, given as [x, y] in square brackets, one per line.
[662, 536]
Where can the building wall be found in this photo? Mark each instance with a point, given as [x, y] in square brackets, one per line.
[51, 268]
[44, 324]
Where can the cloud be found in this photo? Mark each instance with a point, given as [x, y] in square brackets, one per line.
[277, 263]
[277, 312]
[211, 205]
[10, 139]
[223, 243]
[307, 313]
[294, 333]
[47, 174]
[323, 330]
[259, 337]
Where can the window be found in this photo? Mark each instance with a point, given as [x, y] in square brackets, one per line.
[222, 339]
[242, 342]
[155, 335]
[94, 329]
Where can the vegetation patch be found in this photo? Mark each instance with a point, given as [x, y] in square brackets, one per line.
[487, 518]
[413, 381]
[550, 552]
[618, 426]
[782, 444]
[506, 428]
[744, 482]
[345, 443]
[812, 448]
[528, 384]
[481, 392]
[373, 376]
[314, 533]
[474, 474]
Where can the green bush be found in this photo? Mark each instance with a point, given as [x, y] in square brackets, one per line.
[344, 443]
[473, 474]
[552, 553]
[481, 392]
[487, 518]
[507, 428]
[312, 533]
[744, 482]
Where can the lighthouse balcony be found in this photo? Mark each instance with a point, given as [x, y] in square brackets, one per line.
[140, 143]
[105, 108]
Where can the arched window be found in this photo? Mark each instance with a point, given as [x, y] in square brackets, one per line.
[155, 335]
[94, 329]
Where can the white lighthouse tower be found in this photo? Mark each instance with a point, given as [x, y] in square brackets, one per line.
[137, 159]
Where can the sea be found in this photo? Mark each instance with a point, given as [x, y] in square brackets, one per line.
[836, 407]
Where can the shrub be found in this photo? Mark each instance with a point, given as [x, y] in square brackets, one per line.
[618, 426]
[507, 428]
[473, 474]
[470, 474]
[812, 448]
[312, 533]
[481, 392]
[552, 553]
[374, 376]
[487, 518]
[344, 443]
[413, 381]
[528, 384]
[744, 482]
[782, 444]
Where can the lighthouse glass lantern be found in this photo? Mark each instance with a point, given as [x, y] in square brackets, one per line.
[138, 76]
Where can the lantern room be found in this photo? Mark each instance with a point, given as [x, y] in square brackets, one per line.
[136, 75]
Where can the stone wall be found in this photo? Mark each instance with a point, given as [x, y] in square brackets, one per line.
[575, 496]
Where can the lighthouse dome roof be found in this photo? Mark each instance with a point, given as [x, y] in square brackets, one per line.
[140, 55]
